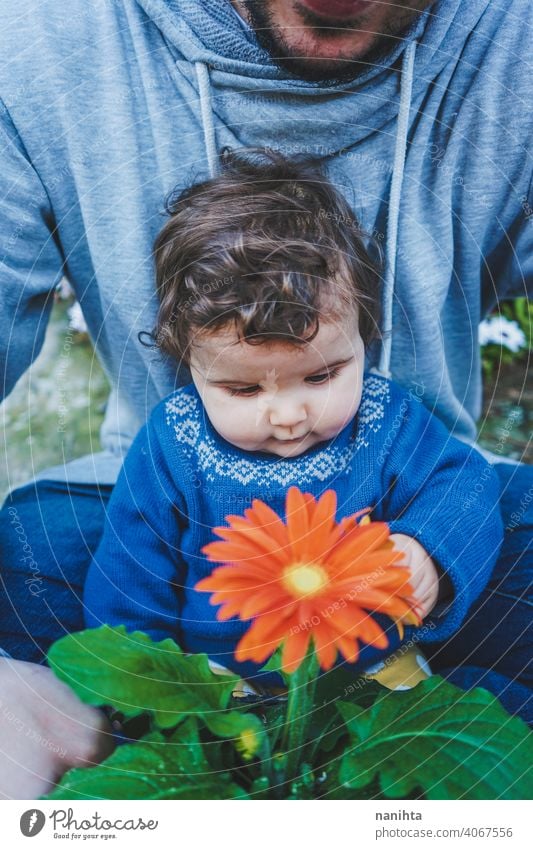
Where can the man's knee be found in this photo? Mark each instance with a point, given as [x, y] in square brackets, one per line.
[48, 532]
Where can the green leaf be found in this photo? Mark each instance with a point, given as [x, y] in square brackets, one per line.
[154, 768]
[341, 684]
[303, 786]
[332, 789]
[260, 788]
[448, 743]
[130, 672]
[273, 717]
[273, 664]
[231, 724]
[327, 727]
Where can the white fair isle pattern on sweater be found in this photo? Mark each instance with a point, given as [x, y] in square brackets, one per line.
[184, 415]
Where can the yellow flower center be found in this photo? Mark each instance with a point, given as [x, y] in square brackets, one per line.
[303, 579]
[247, 743]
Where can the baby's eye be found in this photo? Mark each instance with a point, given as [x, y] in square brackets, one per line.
[246, 391]
[322, 378]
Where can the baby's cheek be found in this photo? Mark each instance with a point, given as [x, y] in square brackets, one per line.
[335, 415]
[347, 404]
[240, 425]
[220, 415]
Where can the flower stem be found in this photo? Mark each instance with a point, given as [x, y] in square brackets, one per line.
[302, 685]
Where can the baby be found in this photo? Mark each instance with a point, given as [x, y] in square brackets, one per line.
[270, 296]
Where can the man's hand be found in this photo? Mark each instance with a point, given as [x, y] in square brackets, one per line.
[44, 730]
[424, 574]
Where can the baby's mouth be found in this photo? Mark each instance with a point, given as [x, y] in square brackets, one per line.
[292, 440]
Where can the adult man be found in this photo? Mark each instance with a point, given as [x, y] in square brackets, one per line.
[420, 112]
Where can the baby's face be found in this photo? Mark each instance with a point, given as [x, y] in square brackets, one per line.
[277, 397]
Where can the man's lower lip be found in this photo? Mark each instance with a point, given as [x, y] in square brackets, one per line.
[335, 9]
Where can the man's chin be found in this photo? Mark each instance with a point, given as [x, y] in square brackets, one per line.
[323, 60]
[331, 54]
[324, 70]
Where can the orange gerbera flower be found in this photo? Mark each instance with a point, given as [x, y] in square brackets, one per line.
[311, 578]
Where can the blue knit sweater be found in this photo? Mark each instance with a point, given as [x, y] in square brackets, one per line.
[180, 479]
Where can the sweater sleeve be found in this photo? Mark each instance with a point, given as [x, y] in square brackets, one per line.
[31, 263]
[443, 493]
[137, 572]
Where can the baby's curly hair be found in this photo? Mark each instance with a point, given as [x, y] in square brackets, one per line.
[267, 248]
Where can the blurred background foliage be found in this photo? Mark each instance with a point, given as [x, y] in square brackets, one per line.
[506, 339]
[56, 409]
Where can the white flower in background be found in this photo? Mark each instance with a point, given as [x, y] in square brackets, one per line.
[499, 330]
[76, 320]
[63, 290]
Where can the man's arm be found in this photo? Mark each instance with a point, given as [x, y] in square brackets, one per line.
[45, 730]
[508, 270]
[30, 257]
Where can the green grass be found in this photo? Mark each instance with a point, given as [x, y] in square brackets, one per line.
[56, 409]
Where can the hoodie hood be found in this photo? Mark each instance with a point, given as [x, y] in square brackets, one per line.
[235, 76]
[246, 81]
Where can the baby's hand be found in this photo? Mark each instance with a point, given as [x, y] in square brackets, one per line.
[424, 574]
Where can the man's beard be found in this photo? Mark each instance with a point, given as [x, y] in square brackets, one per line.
[331, 71]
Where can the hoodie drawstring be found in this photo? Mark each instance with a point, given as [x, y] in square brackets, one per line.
[400, 150]
[208, 123]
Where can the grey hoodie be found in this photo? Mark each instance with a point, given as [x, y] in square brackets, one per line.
[109, 105]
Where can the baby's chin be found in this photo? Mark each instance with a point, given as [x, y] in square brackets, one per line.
[290, 447]
[283, 448]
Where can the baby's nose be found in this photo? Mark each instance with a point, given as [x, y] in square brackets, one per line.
[287, 414]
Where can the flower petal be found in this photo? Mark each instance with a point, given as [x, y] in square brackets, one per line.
[297, 520]
[325, 646]
[349, 648]
[294, 650]
[361, 540]
[261, 640]
[263, 516]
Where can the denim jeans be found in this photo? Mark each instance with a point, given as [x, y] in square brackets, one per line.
[48, 533]
[495, 641]
[49, 530]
